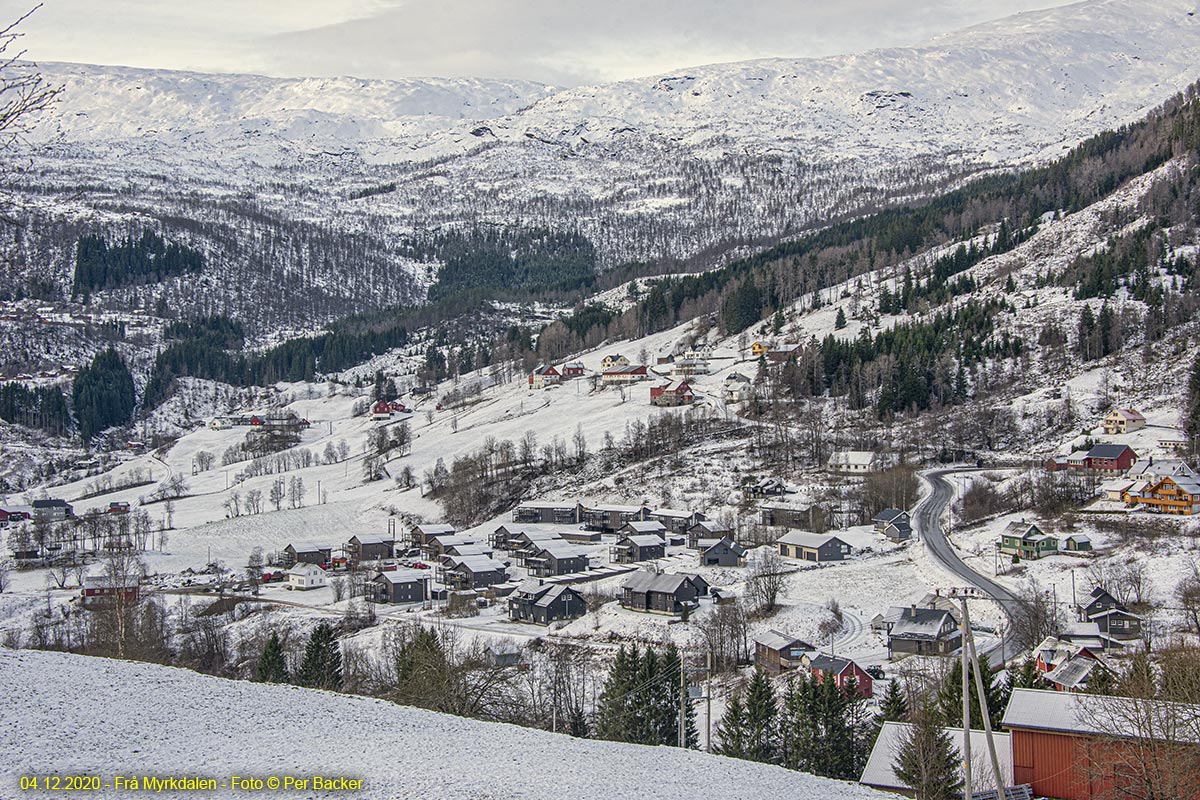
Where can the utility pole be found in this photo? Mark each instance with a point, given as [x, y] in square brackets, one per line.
[966, 703]
[983, 708]
[683, 698]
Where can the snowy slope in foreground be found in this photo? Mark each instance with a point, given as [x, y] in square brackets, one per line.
[64, 714]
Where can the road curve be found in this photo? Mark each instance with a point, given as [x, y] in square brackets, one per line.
[927, 519]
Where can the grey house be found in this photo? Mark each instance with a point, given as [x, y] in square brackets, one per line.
[543, 603]
[707, 529]
[632, 549]
[562, 512]
[724, 552]
[363, 548]
[898, 531]
[816, 547]
[402, 586]
[52, 509]
[676, 522]
[421, 534]
[307, 553]
[472, 572]
[556, 558]
[810, 518]
[661, 593]
[436, 546]
[924, 632]
[889, 516]
[1114, 619]
[610, 519]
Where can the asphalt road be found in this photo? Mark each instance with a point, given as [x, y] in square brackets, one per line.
[927, 519]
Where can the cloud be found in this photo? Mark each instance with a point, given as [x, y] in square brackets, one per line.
[563, 42]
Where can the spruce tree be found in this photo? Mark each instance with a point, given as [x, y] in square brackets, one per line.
[840, 322]
[798, 733]
[894, 705]
[322, 664]
[1191, 408]
[927, 761]
[613, 718]
[272, 667]
[1027, 677]
[949, 696]
[731, 730]
[760, 720]
[671, 666]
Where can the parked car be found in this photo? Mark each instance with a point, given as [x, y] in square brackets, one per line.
[875, 671]
[420, 565]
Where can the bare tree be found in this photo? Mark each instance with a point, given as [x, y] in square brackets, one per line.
[725, 635]
[5, 572]
[767, 577]
[1035, 617]
[204, 461]
[24, 92]
[254, 568]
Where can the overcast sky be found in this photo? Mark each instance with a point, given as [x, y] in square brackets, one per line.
[563, 42]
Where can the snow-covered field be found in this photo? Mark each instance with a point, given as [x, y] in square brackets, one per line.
[108, 718]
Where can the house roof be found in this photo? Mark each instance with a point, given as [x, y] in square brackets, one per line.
[1127, 413]
[378, 540]
[552, 592]
[104, 581]
[888, 515]
[1078, 537]
[880, 770]
[403, 576]
[672, 513]
[924, 623]
[806, 539]
[430, 530]
[646, 540]
[51, 502]
[854, 457]
[775, 640]
[1115, 611]
[305, 568]
[667, 582]
[1060, 712]
[475, 564]
[1108, 451]
[625, 370]
[545, 369]
[1026, 530]
[570, 504]
[471, 549]
[649, 526]
[831, 664]
[736, 548]
[559, 548]
[309, 547]
[736, 377]
[453, 539]
[1072, 673]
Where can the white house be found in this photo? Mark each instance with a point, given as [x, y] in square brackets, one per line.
[737, 387]
[858, 462]
[307, 576]
[1123, 420]
[614, 360]
[218, 424]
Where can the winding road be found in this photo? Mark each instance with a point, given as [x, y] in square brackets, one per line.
[927, 519]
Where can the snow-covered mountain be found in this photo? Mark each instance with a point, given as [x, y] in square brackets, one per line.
[692, 165]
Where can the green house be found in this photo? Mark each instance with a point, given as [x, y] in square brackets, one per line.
[1027, 541]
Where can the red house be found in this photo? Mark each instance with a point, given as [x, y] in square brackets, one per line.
[1113, 458]
[675, 393]
[544, 376]
[256, 421]
[100, 587]
[841, 670]
[572, 370]
[397, 406]
[1089, 747]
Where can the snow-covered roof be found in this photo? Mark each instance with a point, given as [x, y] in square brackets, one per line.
[559, 549]
[1126, 413]
[776, 640]
[673, 513]
[404, 575]
[109, 582]
[880, 770]
[806, 539]
[305, 569]
[649, 526]
[474, 564]
[433, 529]
[642, 540]
[1073, 673]
[921, 623]
[1063, 712]
[668, 582]
[888, 514]
[552, 593]
[549, 504]
[709, 544]
[853, 457]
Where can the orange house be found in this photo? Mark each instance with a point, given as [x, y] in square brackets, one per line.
[1171, 495]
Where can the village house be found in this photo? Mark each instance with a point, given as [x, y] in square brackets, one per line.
[503, 654]
[472, 572]
[556, 512]
[1026, 541]
[767, 487]
[421, 534]
[544, 376]
[781, 353]
[436, 546]
[618, 376]
[1116, 488]
[676, 521]
[219, 424]
[572, 370]
[924, 632]
[776, 652]
[1114, 458]
[304, 576]
[1111, 617]
[1073, 674]
[662, 593]
[469, 549]
[526, 543]
[554, 558]
[1123, 420]
[609, 519]
[613, 361]
[1150, 469]
[675, 393]
[101, 588]
[638, 547]
[818, 547]
[363, 548]
[689, 364]
[52, 509]
[1077, 543]
[307, 553]
[723, 552]
[543, 603]
[381, 411]
[759, 349]
[402, 586]
[709, 529]
[841, 670]
[738, 388]
[880, 771]
[853, 462]
[1169, 495]
[887, 517]
[784, 516]
[1079, 746]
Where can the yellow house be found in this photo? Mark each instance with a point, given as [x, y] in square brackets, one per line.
[760, 349]
[1123, 420]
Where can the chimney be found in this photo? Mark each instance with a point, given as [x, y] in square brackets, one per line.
[913, 611]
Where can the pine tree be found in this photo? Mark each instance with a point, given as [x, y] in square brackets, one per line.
[322, 664]
[1191, 408]
[272, 668]
[949, 696]
[731, 730]
[613, 717]
[760, 720]
[840, 322]
[1027, 677]
[671, 665]
[894, 705]
[798, 733]
[927, 761]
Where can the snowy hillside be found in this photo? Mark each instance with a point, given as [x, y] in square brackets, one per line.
[695, 164]
[87, 721]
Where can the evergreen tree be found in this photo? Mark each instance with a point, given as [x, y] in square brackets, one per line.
[949, 696]
[927, 761]
[1191, 408]
[1027, 677]
[731, 730]
[840, 322]
[322, 664]
[614, 718]
[272, 668]
[103, 394]
[671, 665]
[760, 728]
[894, 705]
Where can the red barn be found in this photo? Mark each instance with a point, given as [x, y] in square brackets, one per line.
[99, 587]
[1088, 747]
